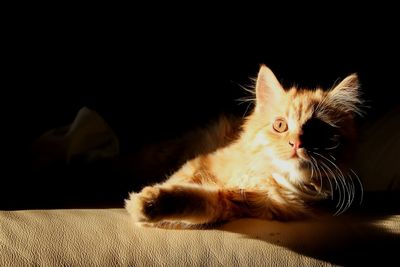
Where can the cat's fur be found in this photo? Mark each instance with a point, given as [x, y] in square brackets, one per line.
[287, 155]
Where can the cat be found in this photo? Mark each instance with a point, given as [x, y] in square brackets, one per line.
[287, 156]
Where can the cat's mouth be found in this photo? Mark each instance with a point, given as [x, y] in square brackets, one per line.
[301, 153]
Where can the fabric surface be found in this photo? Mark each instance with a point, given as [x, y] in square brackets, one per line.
[107, 237]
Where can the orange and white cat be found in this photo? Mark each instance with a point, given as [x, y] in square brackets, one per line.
[286, 156]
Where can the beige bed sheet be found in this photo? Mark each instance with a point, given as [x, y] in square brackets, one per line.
[107, 237]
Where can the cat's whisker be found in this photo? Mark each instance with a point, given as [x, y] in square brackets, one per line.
[332, 173]
[339, 186]
[246, 100]
[248, 90]
[312, 174]
[332, 157]
[327, 178]
[345, 185]
[312, 169]
[247, 109]
[331, 187]
[343, 201]
[334, 165]
[352, 187]
[340, 174]
[319, 171]
[251, 98]
[349, 193]
[361, 185]
[336, 182]
[333, 147]
[316, 167]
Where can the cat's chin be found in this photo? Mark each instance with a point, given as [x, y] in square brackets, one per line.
[301, 175]
[295, 169]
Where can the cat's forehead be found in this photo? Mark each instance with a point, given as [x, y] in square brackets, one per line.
[302, 103]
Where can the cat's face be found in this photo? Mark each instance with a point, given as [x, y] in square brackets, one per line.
[304, 132]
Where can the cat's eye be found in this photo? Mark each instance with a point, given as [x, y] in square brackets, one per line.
[280, 125]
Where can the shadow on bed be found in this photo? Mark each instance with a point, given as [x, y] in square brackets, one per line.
[360, 237]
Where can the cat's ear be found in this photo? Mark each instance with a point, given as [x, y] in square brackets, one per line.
[268, 89]
[346, 95]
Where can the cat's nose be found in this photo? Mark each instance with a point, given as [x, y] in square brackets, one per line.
[296, 144]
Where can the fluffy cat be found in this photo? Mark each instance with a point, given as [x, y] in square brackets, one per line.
[287, 155]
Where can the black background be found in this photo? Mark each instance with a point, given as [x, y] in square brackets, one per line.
[153, 76]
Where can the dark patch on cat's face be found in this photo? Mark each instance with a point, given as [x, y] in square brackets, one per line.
[320, 136]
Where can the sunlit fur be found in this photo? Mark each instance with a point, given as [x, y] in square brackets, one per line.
[258, 172]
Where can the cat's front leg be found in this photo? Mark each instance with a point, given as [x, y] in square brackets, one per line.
[184, 203]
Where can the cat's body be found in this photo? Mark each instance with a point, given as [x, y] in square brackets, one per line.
[287, 155]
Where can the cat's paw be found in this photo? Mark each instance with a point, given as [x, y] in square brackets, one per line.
[144, 206]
